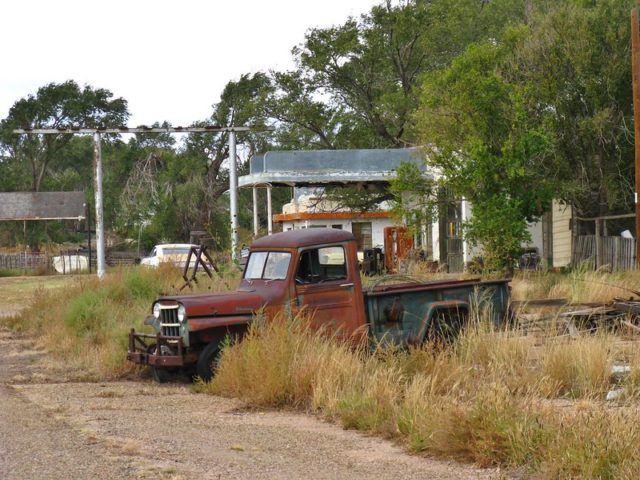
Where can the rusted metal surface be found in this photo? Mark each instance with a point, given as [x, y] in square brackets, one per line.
[143, 352]
[42, 206]
[397, 245]
[200, 257]
[302, 238]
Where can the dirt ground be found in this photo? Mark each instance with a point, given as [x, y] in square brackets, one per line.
[52, 428]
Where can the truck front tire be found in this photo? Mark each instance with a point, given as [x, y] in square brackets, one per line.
[207, 361]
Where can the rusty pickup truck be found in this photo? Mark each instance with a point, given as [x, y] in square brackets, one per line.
[315, 269]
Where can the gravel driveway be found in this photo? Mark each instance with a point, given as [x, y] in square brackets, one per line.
[53, 429]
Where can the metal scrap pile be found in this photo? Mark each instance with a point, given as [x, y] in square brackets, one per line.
[557, 317]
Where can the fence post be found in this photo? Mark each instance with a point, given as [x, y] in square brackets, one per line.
[598, 243]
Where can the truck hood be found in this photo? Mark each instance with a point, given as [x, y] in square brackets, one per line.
[218, 304]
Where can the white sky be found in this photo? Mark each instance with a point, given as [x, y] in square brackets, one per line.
[169, 60]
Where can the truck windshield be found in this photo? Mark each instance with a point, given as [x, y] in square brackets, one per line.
[267, 266]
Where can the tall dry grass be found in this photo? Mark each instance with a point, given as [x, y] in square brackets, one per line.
[491, 397]
[86, 324]
[577, 286]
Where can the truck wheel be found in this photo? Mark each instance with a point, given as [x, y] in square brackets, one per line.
[445, 326]
[207, 361]
[160, 375]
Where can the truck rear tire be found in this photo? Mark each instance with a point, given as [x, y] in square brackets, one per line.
[207, 361]
[160, 375]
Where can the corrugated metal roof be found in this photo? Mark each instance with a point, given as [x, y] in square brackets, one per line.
[42, 205]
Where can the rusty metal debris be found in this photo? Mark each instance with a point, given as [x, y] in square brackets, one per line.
[200, 257]
[565, 319]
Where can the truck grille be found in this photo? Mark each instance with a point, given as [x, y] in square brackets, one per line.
[169, 324]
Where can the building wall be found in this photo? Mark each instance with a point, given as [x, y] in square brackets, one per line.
[377, 226]
[535, 230]
[561, 232]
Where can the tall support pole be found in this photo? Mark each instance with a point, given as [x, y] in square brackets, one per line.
[635, 66]
[97, 175]
[269, 212]
[255, 211]
[465, 244]
[233, 194]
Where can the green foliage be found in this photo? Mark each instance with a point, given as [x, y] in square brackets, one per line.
[414, 195]
[530, 115]
[512, 108]
[54, 106]
[85, 324]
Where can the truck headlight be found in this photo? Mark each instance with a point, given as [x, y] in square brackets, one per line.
[156, 310]
[182, 313]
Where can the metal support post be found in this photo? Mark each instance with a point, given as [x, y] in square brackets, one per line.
[255, 211]
[233, 194]
[269, 212]
[97, 175]
[635, 73]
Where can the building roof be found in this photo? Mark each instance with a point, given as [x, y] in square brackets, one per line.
[303, 238]
[42, 205]
[328, 167]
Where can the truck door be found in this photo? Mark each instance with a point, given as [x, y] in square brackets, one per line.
[325, 287]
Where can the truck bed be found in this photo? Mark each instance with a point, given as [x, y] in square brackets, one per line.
[402, 313]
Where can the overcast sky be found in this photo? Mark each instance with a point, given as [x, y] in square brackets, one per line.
[170, 60]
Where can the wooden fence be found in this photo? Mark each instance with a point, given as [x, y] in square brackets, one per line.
[33, 261]
[616, 253]
[23, 261]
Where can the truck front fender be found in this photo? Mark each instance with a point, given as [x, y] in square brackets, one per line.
[204, 330]
[206, 323]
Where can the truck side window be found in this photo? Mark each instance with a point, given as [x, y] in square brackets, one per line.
[322, 265]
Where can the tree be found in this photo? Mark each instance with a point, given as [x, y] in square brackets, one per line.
[486, 148]
[184, 187]
[575, 65]
[356, 86]
[542, 110]
[64, 105]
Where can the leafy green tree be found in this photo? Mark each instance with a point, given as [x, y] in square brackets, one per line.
[542, 110]
[356, 86]
[575, 70]
[63, 105]
[486, 149]
[175, 190]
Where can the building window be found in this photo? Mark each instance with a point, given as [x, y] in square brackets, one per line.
[337, 227]
[362, 232]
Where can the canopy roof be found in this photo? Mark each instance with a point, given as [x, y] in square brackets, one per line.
[328, 167]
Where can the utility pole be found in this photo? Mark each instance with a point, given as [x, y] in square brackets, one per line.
[97, 178]
[233, 194]
[97, 166]
[635, 65]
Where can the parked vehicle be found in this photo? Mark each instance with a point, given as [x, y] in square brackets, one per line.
[316, 269]
[173, 253]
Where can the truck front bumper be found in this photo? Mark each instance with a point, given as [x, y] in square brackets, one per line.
[158, 350]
